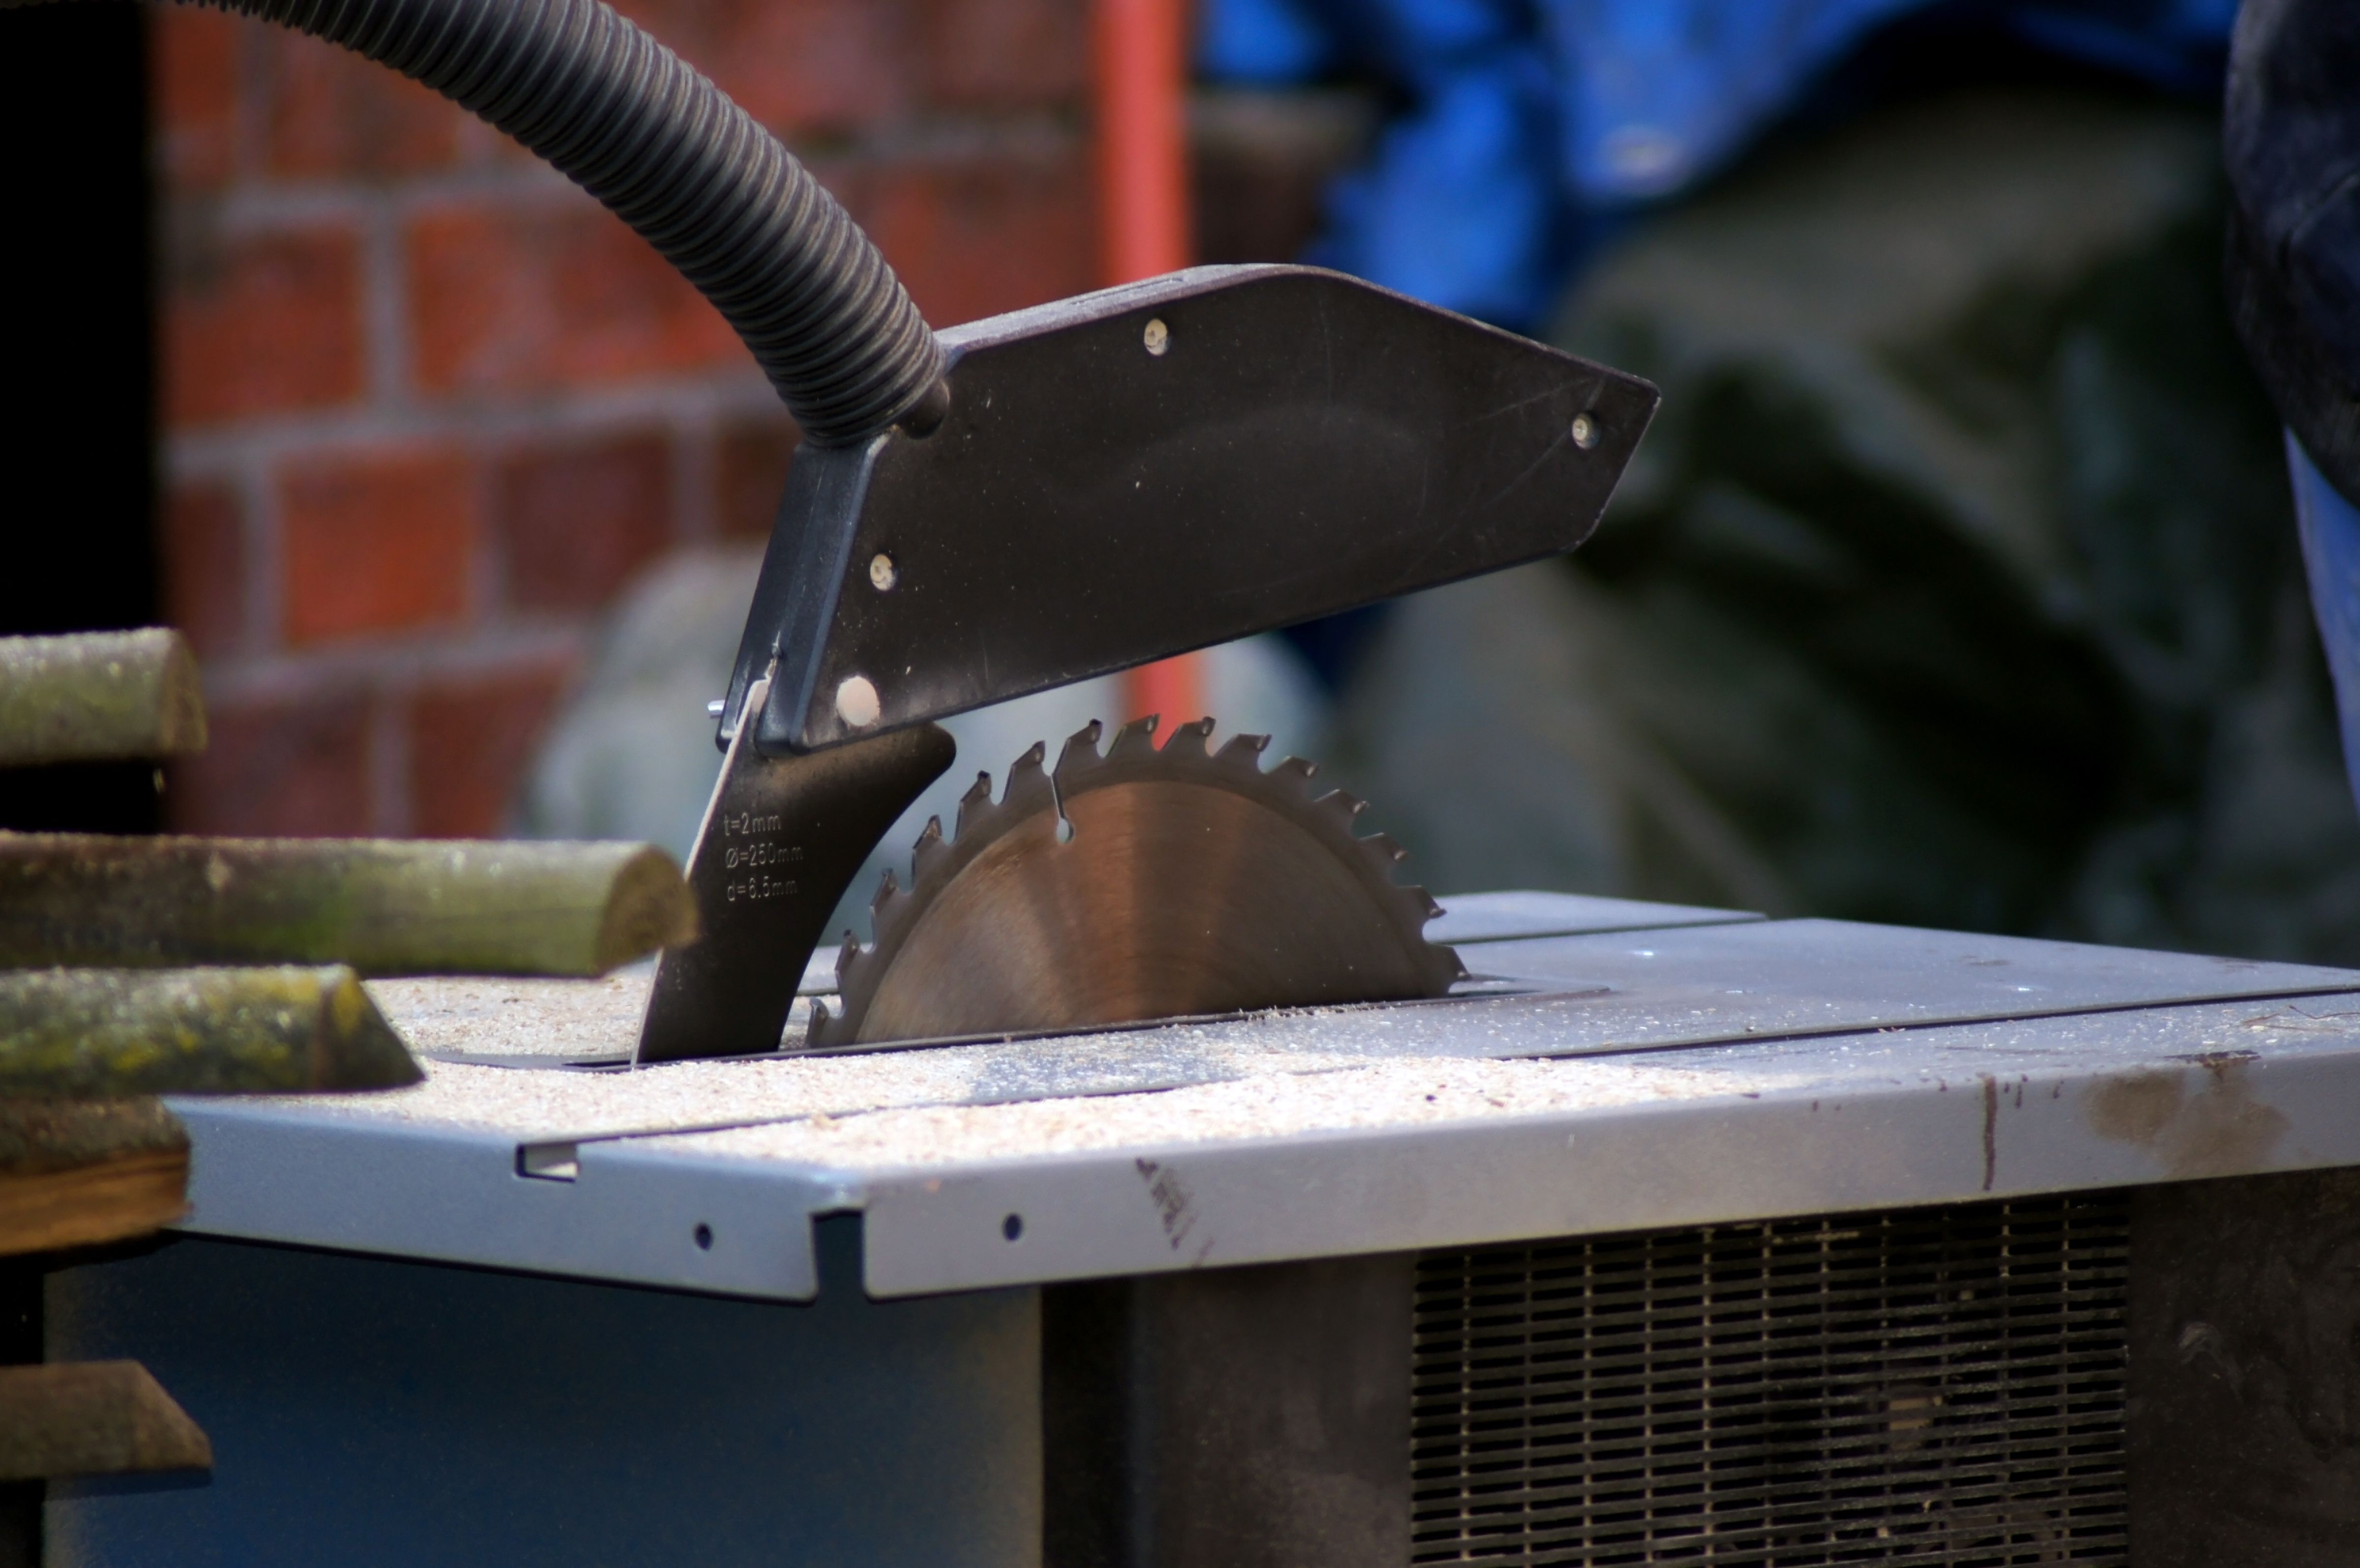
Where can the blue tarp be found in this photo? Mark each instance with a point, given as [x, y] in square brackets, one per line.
[1523, 123]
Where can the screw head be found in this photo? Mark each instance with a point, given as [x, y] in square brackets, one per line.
[1585, 432]
[881, 575]
[855, 701]
[1158, 337]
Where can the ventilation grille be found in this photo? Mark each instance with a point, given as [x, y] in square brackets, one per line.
[1929, 1386]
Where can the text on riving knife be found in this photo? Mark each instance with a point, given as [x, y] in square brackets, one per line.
[752, 844]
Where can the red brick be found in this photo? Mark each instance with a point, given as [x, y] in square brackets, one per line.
[331, 112]
[297, 768]
[204, 565]
[752, 473]
[555, 296]
[469, 745]
[376, 543]
[972, 237]
[260, 325]
[798, 66]
[193, 87]
[575, 522]
[1006, 54]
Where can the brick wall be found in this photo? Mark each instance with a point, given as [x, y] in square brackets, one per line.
[426, 406]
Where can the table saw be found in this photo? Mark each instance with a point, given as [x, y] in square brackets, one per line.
[1167, 1182]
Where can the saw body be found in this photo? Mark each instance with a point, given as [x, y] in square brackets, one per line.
[1139, 884]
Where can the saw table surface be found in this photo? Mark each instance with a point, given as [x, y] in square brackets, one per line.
[1613, 1066]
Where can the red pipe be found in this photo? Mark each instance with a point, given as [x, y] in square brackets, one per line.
[1140, 55]
[1142, 60]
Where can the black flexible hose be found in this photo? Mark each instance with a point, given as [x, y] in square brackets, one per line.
[672, 156]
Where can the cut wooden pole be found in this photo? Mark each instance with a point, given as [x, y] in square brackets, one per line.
[99, 696]
[102, 1033]
[384, 907]
[80, 1173]
[92, 1418]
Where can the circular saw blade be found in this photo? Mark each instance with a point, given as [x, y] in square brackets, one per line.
[1139, 884]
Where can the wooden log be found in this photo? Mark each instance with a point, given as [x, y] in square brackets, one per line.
[99, 696]
[92, 1418]
[81, 1172]
[384, 907]
[104, 1033]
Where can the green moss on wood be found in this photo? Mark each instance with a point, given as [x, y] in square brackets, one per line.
[100, 1033]
[37, 1135]
[384, 907]
[99, 696]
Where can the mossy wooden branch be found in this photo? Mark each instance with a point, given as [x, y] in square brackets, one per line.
[41, 1136]
[92, 1418]
[102, 1033]
[384, 907]
[99, 696]
[81, 1172]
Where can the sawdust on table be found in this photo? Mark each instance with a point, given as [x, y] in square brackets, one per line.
[1411, 1091]
[919, 1107]
[547, 1104]
[518, 1018]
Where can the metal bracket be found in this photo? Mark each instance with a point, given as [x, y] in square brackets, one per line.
[783, 837]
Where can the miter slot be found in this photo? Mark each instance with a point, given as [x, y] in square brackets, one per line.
[550, 1161]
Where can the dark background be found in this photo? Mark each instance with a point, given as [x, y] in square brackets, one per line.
[77, 439]
[78, 442]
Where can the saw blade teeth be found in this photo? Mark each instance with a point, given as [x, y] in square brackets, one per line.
[1136, 736]
[1294, 770]
[1189, 739]
[816, 1032]
[1242, 751]
[975, 802]
[1032, 797]
[1028, 781]
[929, 848]
[1081, 749]
[1342, 804]
[886, 886]
[847, 959]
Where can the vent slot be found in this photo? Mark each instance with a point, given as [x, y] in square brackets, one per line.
[1927, 1386]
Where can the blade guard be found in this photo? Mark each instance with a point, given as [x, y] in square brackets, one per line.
[1141, 472]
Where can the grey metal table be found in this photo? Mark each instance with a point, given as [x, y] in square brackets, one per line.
[526, 1313]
